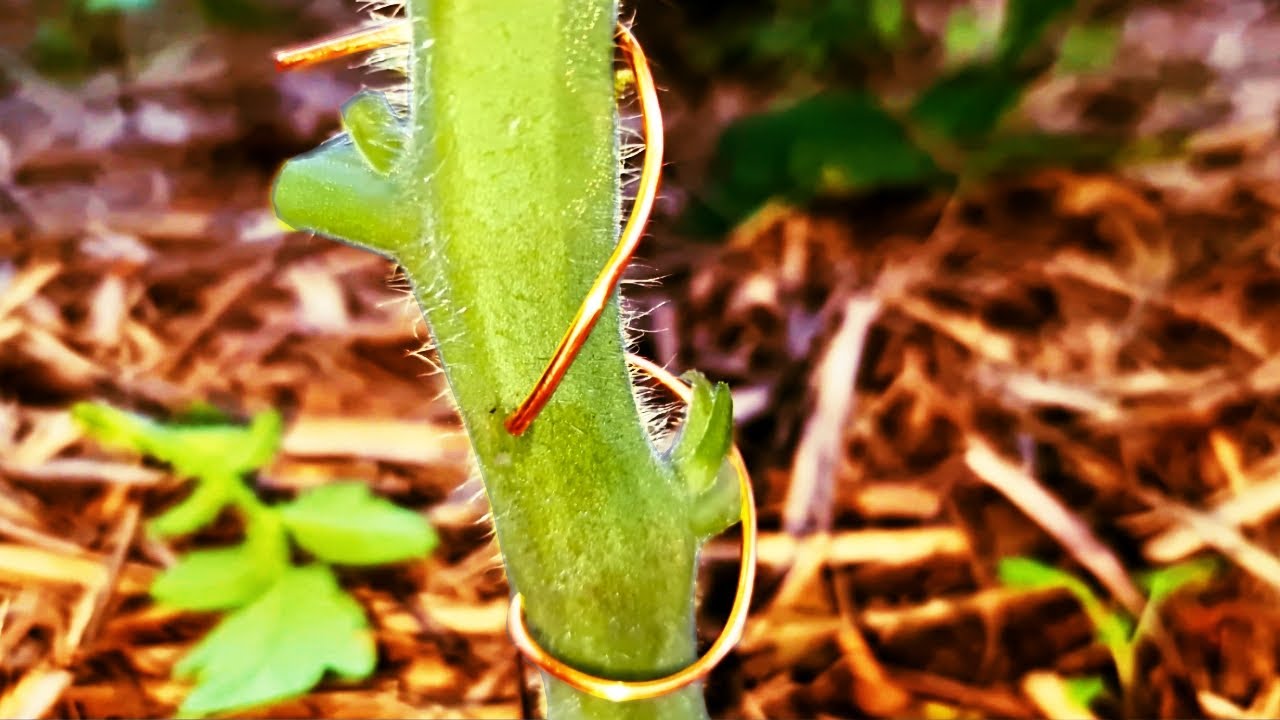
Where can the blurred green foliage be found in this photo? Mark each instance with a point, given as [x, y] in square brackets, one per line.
[1116, 630]
[287, 625]
[846, 138]
[73, 37]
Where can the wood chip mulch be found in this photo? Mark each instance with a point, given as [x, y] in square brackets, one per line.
[1081, 368]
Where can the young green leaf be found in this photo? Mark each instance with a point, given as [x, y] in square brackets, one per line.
[707, 433]
[210, 496]
[344, 523]
[1165, 581]
[831, 143]
[375, 129]
[1029, 573]
[1113, 628]
[964, 38]
[1089, 48]
[193, 451]
[279, 646]
[1082, 691]
[719, 506]
[227, 577]
[1032, 574]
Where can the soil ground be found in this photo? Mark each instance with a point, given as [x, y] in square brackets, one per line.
[1080, 367]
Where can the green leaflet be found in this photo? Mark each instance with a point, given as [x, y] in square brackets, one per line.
[1115, 629]
[291, 623]
[344, 523]
[227, 577]
[280, 645]
[213, 450]
[201, 507]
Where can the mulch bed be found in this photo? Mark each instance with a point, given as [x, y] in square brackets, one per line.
[1078, 367]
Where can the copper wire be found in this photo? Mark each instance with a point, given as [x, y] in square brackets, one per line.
[597, 298]
[607, 281]
[349, 42]
[626, 691]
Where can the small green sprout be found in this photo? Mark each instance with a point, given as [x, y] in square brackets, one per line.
[286, 624]
[1115, 628]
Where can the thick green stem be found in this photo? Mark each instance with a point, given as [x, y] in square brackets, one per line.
[516, 153]
[500, 197]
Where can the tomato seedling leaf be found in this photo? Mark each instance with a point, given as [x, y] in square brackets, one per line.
[193, 451]
[280, 645]
[344, 523]
[198, 509]
[227, 577]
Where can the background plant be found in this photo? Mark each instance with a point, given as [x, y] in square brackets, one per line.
[1119, 632]
[287, 624]
[73, 36]
[838, 130]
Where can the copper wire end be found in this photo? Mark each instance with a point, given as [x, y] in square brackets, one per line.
[342, 44]
[607, 281]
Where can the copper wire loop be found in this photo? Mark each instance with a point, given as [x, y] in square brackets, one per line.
[593, 305]
[625, 691]
[378, 36]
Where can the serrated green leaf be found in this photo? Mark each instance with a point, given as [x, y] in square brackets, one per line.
[214, 579]
[719, 506]
[832, 143]
[279, 646]
[227, 577]
[344, 523]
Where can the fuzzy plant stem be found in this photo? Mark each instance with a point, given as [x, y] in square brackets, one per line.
[498, 191]
[514, 112]
[515, 140]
